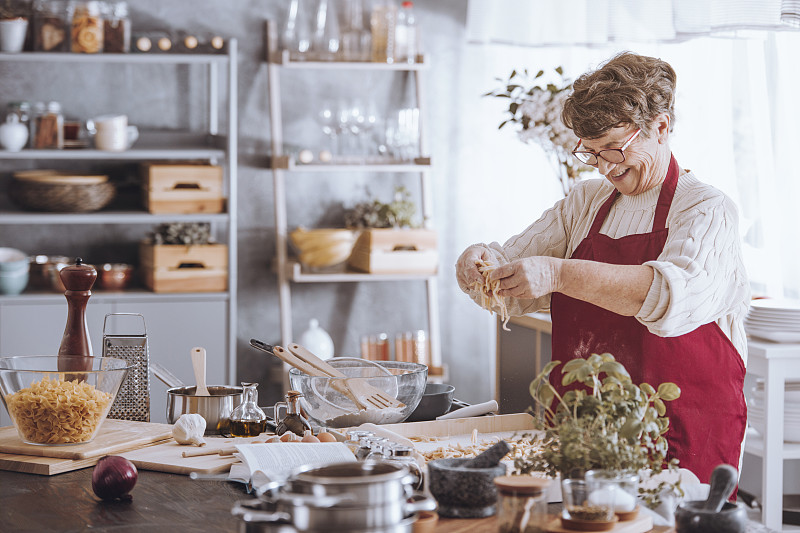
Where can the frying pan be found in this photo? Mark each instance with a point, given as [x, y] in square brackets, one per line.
[436, 401]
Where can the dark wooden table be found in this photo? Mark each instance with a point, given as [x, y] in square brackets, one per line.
[172, 503]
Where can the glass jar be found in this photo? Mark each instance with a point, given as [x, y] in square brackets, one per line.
[626, 484]
[404, 455]
[87, 27]
[48, 127]
[248, 420]
[293, 421]
[587, 501]
[51, 26]
[354, 437]
[117, 29]
[521, 504]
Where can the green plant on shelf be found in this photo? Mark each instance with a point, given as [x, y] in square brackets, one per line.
[399, 213]
[186, 233]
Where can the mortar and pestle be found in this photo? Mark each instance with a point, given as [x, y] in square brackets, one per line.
[715, 514]
[464, 488]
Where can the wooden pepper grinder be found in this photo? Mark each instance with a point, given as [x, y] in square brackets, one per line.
[78, 279]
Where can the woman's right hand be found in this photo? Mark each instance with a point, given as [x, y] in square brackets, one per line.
[467, 272]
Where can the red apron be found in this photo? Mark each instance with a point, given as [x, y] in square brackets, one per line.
[707, 422]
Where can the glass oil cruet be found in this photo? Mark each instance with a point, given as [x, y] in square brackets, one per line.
[248, 420]
[293, 421]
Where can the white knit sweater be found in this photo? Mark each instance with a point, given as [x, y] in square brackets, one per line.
[699, 276]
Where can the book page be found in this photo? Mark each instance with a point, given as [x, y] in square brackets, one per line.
[276, 461]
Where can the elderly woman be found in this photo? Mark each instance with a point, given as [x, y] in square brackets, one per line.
[644, 264]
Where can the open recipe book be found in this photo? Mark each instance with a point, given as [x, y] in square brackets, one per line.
[263, 463]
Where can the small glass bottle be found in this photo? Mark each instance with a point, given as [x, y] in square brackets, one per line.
[248, 420]
[49, 127]
[354, 437]
[293, 421]
[521, 504]
[404, 455]
[382, 23]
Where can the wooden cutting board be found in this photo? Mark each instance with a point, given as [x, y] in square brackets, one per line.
[166, 457]
[113, 436]
[44, 466]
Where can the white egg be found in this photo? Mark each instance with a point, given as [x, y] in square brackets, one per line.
[622, 501]
[305, 156]
[325, 156]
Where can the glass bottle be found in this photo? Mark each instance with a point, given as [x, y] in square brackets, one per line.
[355, 36]
[293, 421]
[521, 504]
[406, 37]
[248, 420]
[354, 438]
[325, 45]
[296, 32]
[382, 23]
[49, 127]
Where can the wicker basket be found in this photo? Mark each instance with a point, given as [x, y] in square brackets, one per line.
[61, 193]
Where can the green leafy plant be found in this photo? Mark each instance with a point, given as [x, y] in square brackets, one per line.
[399, 213]
[534, 107]
[182, 233]
[610, 423]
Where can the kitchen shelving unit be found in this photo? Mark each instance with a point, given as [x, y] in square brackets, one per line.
[290, 271]
[170, 316]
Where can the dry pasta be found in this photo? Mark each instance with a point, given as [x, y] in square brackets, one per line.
[488, 291]
[52, 411]
[521, 445]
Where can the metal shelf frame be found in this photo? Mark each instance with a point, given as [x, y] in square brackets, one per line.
[209, 145]
[289, 272]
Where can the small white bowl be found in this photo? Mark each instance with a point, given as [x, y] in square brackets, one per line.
[13, 259]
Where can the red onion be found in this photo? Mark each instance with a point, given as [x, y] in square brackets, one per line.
[114, 477]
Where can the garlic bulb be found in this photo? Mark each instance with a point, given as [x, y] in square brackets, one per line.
[189, 429]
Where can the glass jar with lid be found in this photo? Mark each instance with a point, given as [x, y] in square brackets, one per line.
[51, 26]
[48, 130]
[116, 28]
[87, 32]
[521, 504]
[404, 455]
[248, 420]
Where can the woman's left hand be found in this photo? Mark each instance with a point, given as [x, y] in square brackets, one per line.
[529, 277]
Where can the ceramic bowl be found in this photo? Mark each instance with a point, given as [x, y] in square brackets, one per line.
[12, 260]
[13, 283]
[30, 386]
[114, 276]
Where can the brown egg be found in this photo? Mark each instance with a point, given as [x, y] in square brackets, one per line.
[309, 437]
[289, 437]
[273, 439]
[324, 436]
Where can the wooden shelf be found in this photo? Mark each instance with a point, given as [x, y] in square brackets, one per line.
[296, 273]
[152, 145]
[133, 295]
[154, 59]
[281, 57]
[105, 217]
[754, 445]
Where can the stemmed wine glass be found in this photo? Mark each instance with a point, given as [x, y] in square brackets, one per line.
[328, 121]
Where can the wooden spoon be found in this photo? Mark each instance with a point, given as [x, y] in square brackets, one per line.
[199, 366]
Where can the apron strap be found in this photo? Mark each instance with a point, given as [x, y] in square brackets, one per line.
[662, 207]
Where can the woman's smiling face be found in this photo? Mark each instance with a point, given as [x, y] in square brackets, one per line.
[646, 158]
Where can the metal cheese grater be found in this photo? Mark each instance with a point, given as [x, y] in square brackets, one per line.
[133, 399]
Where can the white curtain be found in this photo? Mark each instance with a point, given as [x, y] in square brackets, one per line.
[736, 116]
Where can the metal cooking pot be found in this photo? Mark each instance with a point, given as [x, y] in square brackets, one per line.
[216, 408]
[259, 517]
[348, 497]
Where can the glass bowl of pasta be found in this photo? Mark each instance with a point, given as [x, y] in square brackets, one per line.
[377, 392]
[52, 403]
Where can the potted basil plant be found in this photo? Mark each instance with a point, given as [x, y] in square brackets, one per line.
[609, 424]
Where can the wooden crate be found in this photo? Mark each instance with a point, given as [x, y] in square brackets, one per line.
[179, 268]
[395, 251]
[182, 188]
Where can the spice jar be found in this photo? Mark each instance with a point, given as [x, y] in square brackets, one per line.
[293, 421]
[404, 455]
[87, 27]
[48, 127]
[117, 29]
[521, 504]
[248, 420]
[51, 26]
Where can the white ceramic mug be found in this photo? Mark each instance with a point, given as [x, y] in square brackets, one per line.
[12, 34]
[112, 133]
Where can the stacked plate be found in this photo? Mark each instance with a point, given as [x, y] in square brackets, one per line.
[776, 320]
[791, 410]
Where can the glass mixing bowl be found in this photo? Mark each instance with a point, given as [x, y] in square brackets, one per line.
[53, 407]
[326, 404]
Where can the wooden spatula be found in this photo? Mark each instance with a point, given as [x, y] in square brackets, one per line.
[366, 393]
[199, 366]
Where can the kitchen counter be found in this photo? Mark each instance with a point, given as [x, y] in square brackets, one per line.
[161, 502]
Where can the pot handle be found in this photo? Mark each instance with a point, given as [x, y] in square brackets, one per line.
[245, 513]
[419, 502]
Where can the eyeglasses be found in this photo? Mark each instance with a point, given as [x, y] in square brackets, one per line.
[612, 155]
